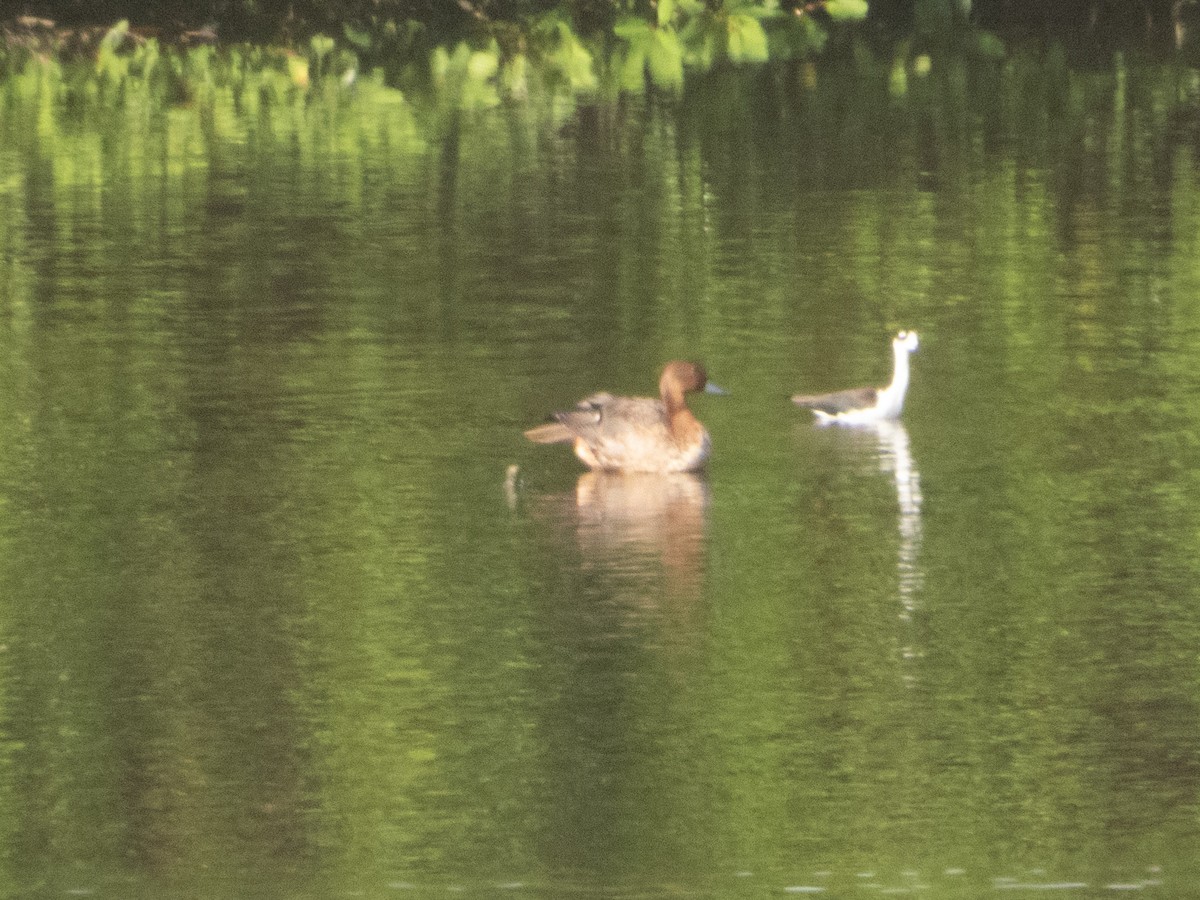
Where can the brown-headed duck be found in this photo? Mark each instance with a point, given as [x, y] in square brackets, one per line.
[637, 434]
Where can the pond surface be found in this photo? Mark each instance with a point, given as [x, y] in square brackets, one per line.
[273, 622]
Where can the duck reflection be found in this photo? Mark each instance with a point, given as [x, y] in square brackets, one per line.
[652, 517]
[620, 573]
[635, 526]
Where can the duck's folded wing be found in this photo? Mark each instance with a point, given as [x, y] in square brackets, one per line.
[839, 401]
[568, 423]
[550, 433]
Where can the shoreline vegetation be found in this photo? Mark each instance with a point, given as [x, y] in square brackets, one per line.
[488, 52]
[492, 61]
[416, 86]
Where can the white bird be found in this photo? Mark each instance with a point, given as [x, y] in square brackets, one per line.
[866, 404]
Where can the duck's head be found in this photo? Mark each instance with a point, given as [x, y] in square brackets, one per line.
[905, 340]
[684, 377]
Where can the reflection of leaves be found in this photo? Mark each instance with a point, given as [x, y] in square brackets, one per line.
[990, 46]
[115, 36]
[108, 63]
[322, 45]
[482, 65]
[898, 78]
[464, 78]
[358, 37]
[298, 70]
[515, 77]
[664, 10]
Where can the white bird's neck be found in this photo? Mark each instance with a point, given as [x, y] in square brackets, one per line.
[893, 396]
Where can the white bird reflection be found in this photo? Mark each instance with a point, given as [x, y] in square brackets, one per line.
[896, 459]
[887, 444]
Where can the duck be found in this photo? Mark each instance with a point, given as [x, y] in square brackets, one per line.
[866, 404]
[637, 434]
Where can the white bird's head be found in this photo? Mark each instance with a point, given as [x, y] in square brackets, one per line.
[905, 340]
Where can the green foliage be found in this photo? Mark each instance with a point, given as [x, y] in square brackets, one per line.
[747, 42]
[566, 59]
[649, 48]
[693, 35]
[846, 10]
[137, 78]
[548, 53]
[666, 60]
[797, 38]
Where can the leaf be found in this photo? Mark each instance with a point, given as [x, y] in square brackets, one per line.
[666, 60]
[580, 69]
[148, 57]
[747, 40]
[700, 38]
[572, 59]
[847, 10]
[769, 9]
[476, 69]
[633, 70]
[631, 28]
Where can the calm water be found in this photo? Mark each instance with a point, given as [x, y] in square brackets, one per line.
[272, 624]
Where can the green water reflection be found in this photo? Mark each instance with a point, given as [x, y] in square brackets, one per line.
[271, 624]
